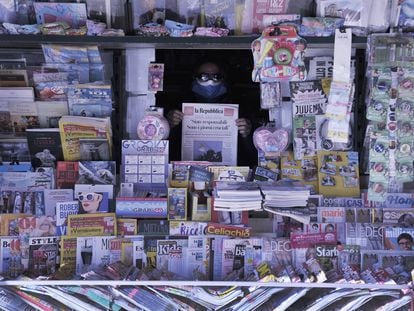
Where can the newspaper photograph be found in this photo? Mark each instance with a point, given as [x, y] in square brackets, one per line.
[209, 133]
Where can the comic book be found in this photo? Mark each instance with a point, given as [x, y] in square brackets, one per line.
[309, 100]
[67, 173]
[338, 174]
[43, 252]
[74, 128]
[91, 224]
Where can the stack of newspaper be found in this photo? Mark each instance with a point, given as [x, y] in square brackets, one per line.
[287, 198]
[237, 196]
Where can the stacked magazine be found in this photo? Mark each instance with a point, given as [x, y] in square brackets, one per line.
[287, 198]
[237, 196]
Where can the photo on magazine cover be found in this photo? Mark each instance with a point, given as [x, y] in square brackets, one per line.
[208, 151]
[93, 202]
[14, 151]
[97, 172]
[94, 149]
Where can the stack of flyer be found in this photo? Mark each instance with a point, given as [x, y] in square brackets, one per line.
[237, 196]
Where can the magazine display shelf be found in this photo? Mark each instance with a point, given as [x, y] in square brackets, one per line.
[135, 42]
[200, 284]
[230, 42]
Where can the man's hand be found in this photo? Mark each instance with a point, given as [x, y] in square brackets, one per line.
[175, 117]
[244, 126]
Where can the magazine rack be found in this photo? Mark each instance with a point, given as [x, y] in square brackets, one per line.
[120, 44]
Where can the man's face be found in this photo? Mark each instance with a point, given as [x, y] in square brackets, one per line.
[405, 244]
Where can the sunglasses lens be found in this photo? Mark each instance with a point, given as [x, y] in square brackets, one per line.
[89, 196]
[80, 198]
[204, 77]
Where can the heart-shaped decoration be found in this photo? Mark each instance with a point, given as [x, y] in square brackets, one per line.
[271, 140]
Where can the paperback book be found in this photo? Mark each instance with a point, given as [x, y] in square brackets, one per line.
[92, 252]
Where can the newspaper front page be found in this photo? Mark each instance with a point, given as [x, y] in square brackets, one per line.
[210, 133]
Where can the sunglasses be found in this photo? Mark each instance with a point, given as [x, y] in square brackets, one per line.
[87, 197]
[204, 77]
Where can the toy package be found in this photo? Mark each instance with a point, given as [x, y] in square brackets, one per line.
[278, 55]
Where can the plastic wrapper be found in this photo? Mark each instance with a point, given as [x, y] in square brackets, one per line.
[211, 32]
[320, 26]
[15, 29]
[356, 13]
[270, 139]
[176, 29]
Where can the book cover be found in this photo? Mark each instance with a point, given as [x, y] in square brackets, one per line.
[91, 224]
[63, 210]
[43, 252]
[45, 146]
[309, 100]
[8, 223]
[338, 174]
[67, 174]
[177, 203]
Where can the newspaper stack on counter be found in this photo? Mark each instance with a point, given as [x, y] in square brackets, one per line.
[287, 198]
[237, 196]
